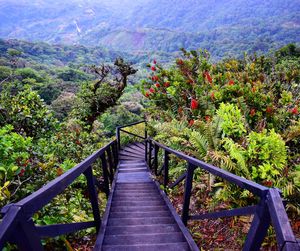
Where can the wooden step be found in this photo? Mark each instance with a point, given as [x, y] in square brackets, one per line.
[149, 229]
[140, 221]
[136, 198]
[132, 239]
[179, 246]
[140, 217]
[131, 153]
[138, 203]
[139, 209]
[139, 214]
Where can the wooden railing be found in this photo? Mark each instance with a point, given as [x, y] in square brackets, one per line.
[269, 210]
[120, 129]
[17, 225]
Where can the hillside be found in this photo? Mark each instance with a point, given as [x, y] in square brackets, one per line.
[225, 27]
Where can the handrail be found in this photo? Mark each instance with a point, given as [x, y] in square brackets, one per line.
[119, 129]
[132, 124]
[270, 208]
[17, 217]
[253, 187]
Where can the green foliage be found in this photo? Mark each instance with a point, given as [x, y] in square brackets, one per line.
[15, 154]
[5, 72]
[117, 116]
[26, 112]
[231, 120]
[267, 154]
[70, 74]
[240, 115]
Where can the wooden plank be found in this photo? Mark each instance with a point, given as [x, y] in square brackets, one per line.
[60, 229]
[180, 179]
[183, 229]
[259, 227]
[187, 193]
[93, 197]
[8, 224]
[101, 234]
[281, 224]
[132, 134]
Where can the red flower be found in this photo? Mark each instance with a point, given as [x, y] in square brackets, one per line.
[22, 172]
[269, 109]
[166, 84]
[147, 94]
[190, 81]
[194, 104]
[191, 122]
[208, 77]
[179, 61]
[151, 90]
[231, 82]
[212, 95]
[207, 118]
[153, 68]
[294, 110]
[268, 183]
[155, 78]
[154, 61]
[252, 112]
[59, 171]
[157, 85]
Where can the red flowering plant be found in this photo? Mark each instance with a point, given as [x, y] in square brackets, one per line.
[192, 91]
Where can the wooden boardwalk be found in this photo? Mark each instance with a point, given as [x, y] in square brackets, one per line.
[138, 215]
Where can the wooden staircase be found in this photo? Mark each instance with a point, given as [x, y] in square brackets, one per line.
[138, 215]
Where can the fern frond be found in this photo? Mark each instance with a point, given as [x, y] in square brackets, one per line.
[199, 141]
[237, 153]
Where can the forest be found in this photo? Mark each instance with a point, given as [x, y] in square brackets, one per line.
[58, 104]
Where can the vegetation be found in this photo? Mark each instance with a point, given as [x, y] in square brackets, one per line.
[241, 115]
[235, 114]
[225, 28]
[42, 139]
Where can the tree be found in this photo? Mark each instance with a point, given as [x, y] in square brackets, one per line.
[95, 97]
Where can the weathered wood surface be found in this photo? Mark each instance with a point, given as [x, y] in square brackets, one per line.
[140, 218]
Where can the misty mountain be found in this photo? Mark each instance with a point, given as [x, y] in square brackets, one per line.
[222, 26]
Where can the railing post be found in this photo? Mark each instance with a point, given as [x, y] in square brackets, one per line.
[166, 170]
[26, 236]
[284, 234]
[111, 168]
[93, 196]
[105, 174]
[259, 227]
[150, 154]
[187, 193]
[156, 149]
[146, 141]
[146, 150]
[115, 154]
[118, 138]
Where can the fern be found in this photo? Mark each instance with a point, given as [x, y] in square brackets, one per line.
[200, 142]
[238, 154]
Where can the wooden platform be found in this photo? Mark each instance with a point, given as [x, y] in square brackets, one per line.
[138, 215]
